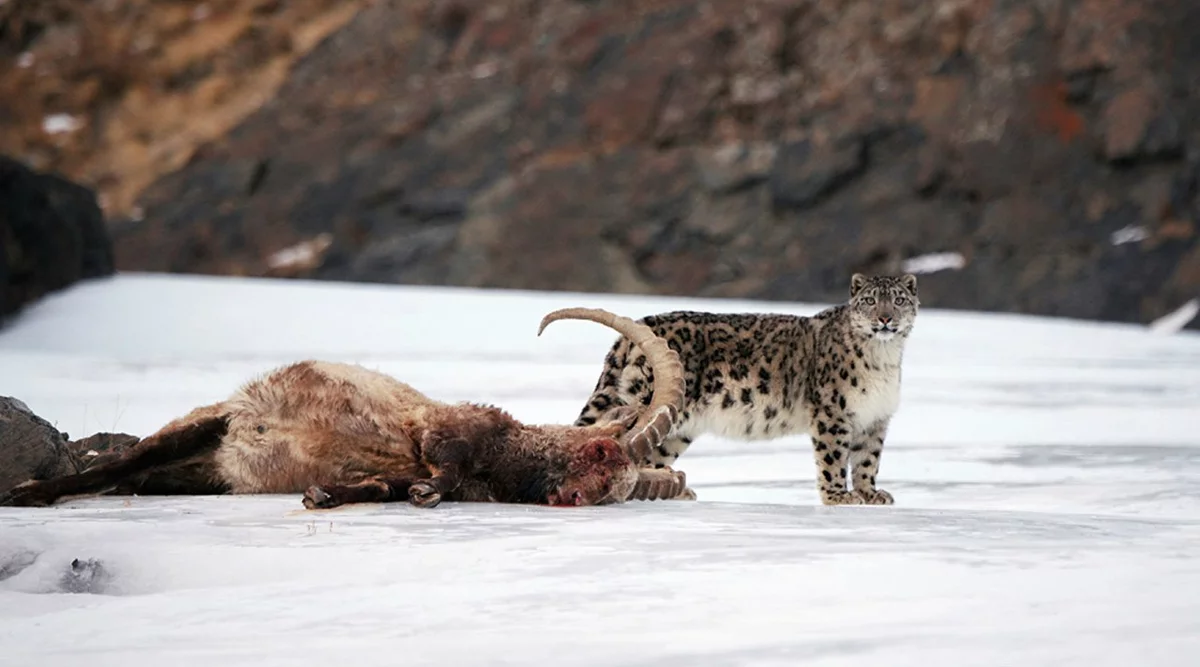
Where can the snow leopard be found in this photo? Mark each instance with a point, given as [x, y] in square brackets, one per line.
[834, 375]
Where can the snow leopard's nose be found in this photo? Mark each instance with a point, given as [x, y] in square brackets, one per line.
[885, 319]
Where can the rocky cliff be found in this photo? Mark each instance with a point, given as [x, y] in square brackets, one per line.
[1044, 154]
[52, 235]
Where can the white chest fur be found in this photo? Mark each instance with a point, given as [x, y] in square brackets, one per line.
[878, 395]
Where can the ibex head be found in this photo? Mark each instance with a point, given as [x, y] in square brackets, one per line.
[639, 430]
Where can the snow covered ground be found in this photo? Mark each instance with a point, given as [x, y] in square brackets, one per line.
[1046, 473]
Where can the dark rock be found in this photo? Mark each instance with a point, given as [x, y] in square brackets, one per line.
[1164, 137]
[437, 205]
[1136, 127]
[52, 234]
[705, 148]
[400, 258]
[1081, 85]
[30, 447]
[721, 218]
[734, 166]
[805, 173]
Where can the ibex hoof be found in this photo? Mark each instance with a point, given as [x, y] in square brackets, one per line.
[316, 498]
[422, 494]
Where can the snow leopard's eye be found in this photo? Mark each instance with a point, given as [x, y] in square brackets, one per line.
[261, 428]
[868, 300]
[900, 301]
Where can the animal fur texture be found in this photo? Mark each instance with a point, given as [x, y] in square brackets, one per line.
[834, 376]
[341, 433]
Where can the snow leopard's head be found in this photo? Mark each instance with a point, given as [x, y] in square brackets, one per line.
[883, 307]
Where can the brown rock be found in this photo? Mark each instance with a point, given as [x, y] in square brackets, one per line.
[1053, 112]
[1176, 229]
[626, 108]
[1187, 276]
[1126, 120]
[803, 172]
[538, 230]
[1099, 34]
[938, 98]
[734, 166]
[30, 447]
[762, 149]
[931, 167]
[1153, 196]
[150, 82]
[721, 218]
[1098, 204]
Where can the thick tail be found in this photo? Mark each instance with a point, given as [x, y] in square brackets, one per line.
[175, 443]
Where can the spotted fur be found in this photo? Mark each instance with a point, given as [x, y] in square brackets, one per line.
[834, 375]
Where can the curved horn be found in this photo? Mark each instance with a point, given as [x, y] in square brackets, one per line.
[659, 484]
[655, 421]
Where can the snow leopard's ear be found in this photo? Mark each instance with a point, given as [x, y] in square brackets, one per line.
[857, 282]
[909, 281]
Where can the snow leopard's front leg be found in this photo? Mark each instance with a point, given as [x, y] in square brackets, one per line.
[831, 445]
[865, 453]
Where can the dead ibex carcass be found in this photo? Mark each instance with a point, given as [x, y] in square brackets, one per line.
[342, 433]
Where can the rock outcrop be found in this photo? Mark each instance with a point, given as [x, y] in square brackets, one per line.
[1045, 155]
[30, 447]
[52, 234]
